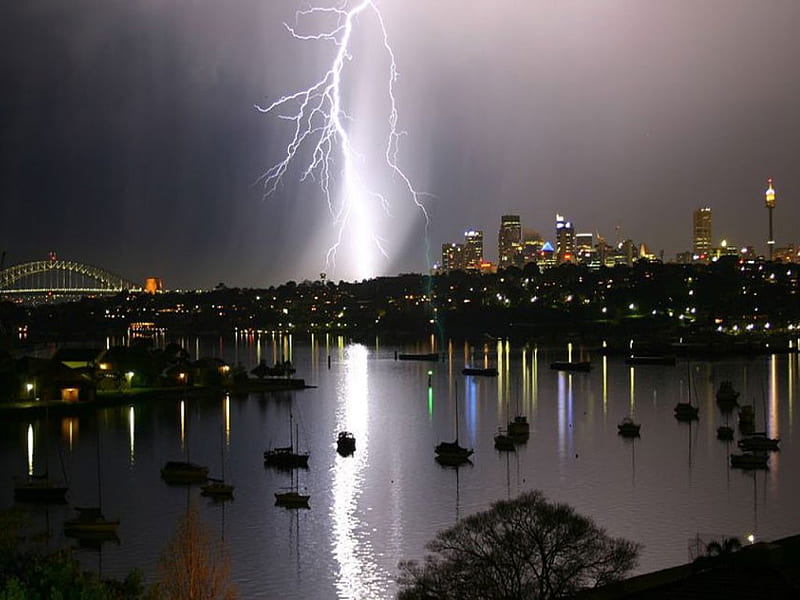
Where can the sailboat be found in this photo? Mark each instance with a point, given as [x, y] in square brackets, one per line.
[184, 471]
[90, 523]
[40, 488]
[292, 498]
[451, 453]
[518, 428]
[217, 488]
[758, 441]
[503, 441]
[686, 411]
[285, 457]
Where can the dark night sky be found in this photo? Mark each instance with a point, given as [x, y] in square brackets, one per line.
[130, 140]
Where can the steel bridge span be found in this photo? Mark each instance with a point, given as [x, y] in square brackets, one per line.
[60, 277]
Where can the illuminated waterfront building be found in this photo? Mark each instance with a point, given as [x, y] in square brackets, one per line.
[509, 241]
[565, 240]
[701, 234]
[473, 249]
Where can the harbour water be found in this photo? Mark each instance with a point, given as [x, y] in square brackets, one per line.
[385, 502]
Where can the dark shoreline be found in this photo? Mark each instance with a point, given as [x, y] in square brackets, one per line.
[104, 399]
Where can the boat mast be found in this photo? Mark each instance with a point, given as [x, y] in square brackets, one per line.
[456, 412]
[99, 485]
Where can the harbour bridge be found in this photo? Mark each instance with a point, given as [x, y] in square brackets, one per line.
[59, 278]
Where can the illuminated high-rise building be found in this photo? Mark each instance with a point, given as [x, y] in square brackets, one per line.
[532, 243]
[701, 234]
[509, 241]
[473, 249]
[769, 198]
[452, 257]
[584, 247]
[565, 240]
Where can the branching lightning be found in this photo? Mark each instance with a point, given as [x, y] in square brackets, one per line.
[320, 121]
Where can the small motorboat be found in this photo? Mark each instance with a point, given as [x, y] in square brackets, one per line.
[627, 428]
[345, 443]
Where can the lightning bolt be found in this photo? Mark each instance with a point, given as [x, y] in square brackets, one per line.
[319, 123]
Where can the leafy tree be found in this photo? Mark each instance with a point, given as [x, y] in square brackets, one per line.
[188, 569]
[526, 548]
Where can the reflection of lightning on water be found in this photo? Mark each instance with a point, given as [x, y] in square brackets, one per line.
[319, 126]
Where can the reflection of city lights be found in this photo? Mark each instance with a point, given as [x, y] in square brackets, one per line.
[131, 430]
[183, 422]
[30, 450]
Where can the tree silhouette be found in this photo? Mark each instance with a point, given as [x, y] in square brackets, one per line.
[526, 548]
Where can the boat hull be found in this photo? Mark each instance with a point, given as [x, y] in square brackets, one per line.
[651, 360]
[489, 372]
[583, 366]
[432, 357]
[40, 492]
[183, 473]
[291, 500]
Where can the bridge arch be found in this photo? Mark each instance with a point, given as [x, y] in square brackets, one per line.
[62, 276]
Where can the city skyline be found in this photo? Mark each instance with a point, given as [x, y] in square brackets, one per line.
[130, 138]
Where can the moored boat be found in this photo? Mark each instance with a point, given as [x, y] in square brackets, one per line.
[724, 433]
[747, 419]
[430, 356]
[452, 451]
[345, 443]
[90, 520]
[634, 359]
[504, 442]
[177, 471]
[627, 428]
[39, 489]
[217, 488]
[750, 460]
[583, 366]
[758, 442]
[285, 457]
[685, 411]
[519, 427]
[486, 372]
[727, 396]
[292, 499]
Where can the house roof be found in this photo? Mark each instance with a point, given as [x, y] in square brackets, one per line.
[762, 570]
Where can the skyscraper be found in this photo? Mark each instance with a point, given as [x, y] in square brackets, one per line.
[473, 249]
[701, 234]
[509, 241]
[565, 240]
[452, 257]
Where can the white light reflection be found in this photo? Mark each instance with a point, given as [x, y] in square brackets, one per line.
[30, 450]
[131, 431]
[183, 423]
[535, 381]
[502, 378]
[633, 393]
[774, 431]
[605, 385]
[226, 409]
[358, 575]
[790, 385]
